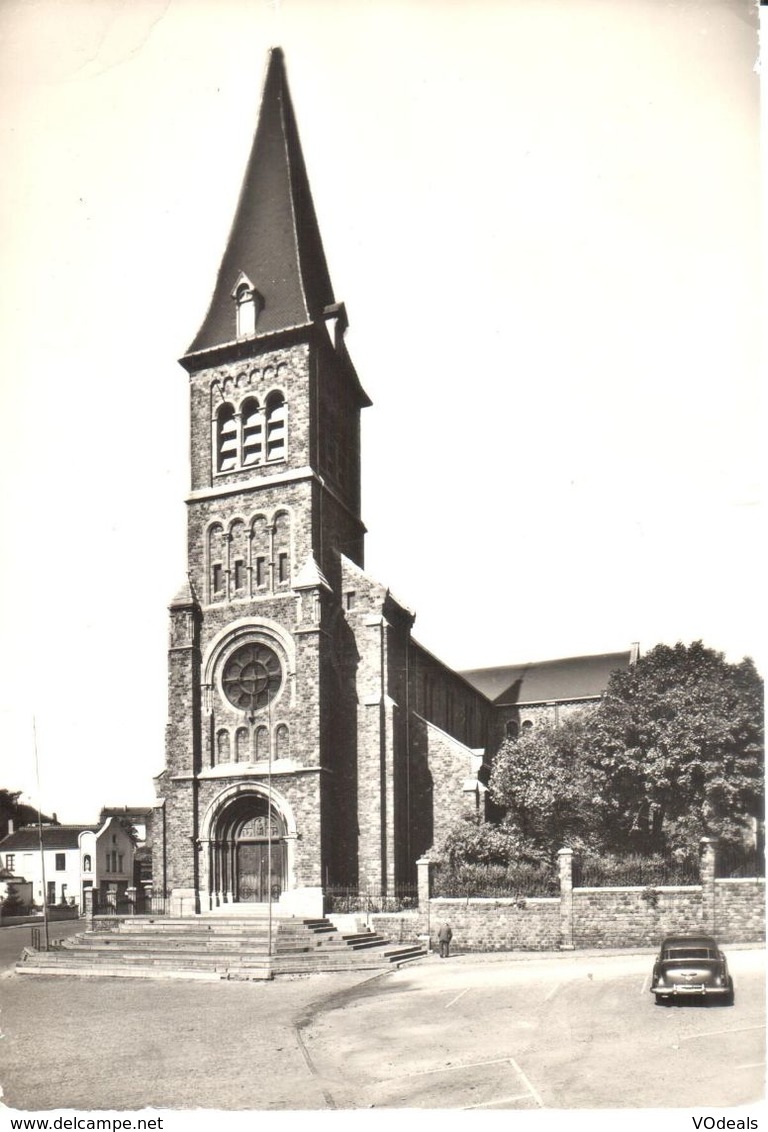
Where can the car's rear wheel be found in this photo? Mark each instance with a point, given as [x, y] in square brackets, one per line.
[661, 1000]
[730, 998]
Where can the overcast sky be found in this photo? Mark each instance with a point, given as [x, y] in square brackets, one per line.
[543, 219]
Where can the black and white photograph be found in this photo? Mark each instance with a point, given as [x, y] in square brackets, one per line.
[381, 687]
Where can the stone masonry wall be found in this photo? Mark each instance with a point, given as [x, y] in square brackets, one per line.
[498, 925]
[628, 917]
[480, 925]
[634, 916]
[739, 910]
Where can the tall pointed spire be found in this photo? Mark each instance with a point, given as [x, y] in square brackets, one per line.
[274, 245]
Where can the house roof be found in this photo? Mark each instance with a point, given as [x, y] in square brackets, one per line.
[571, 678]
[135, 813]
[275, 239]
[54, 837]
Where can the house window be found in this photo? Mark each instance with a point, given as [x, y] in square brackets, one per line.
[261, 571]
[106, 867]
[350, 599]
[527, 724]
[282, 567]
[218, 578]
[239, 574]
[512, 729]
[120, 862]
[61, 862]
[10, 861]
[87, 863]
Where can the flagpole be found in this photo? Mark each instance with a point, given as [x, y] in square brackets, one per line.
[40, 835]
[269, 820]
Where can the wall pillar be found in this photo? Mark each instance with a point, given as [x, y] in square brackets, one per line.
[565, 863]
[424, 882]
[89, 905]
[708, 890]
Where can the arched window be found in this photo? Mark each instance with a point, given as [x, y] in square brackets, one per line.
[87, 863]
[222, 747]
[238, 558]
[282, 549]
[276, 439]
[253, 433]
[217, 563]
[226, 439]
[512, 729]
[259, 554]
[261, 744]
[241, 745]
[526, 725]
[282, 745]
[246, 311]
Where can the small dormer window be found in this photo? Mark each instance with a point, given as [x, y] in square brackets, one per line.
[248, 304]
[246, 313]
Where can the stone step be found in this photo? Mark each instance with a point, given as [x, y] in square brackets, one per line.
[236, 949]
[216, 964]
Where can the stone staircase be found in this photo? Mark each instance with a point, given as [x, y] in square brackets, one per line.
[216, 947]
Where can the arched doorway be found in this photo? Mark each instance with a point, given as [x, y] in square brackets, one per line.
[248, 851]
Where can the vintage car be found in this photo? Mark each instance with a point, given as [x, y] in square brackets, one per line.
[691, 966]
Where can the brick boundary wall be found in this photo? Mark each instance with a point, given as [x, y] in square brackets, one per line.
[631, 916]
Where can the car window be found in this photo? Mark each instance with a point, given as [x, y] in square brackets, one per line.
[689, 953]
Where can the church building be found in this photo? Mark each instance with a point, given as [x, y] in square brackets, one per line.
[311, 741]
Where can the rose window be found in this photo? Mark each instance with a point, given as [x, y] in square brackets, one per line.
[252, 677]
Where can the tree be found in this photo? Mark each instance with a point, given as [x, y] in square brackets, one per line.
[673, 752]
[13, 905]
[551, 794]
[678, 738]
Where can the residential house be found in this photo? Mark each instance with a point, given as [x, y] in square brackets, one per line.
[74, 858]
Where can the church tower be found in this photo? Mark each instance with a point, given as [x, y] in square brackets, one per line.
[311, 743]
[256, 761]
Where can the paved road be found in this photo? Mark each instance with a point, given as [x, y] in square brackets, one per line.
[14, 938]
[581, 1032]
[475, 1032]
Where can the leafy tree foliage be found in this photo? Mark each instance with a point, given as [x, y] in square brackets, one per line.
[549, 789]
[673, 752]
[679, 740]
[13, 905]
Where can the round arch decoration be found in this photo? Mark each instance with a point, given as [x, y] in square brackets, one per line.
[274, 660]
[247, 840]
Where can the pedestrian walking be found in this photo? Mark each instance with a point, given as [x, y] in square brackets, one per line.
[444, 937]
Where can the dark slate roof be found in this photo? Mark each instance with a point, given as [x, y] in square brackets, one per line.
[54, 837]
[275, 238]
[572, 678]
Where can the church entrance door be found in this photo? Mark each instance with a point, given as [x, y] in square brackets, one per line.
[248, 852]
[253, 871]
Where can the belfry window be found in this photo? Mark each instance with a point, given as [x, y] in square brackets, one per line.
[226, 439]
[253, 433]
[275, 427]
